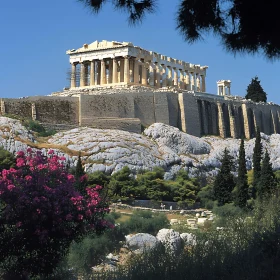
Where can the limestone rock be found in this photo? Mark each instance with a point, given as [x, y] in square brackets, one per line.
[141, 242]
[171, 240]
[178, 141]
[188, 238]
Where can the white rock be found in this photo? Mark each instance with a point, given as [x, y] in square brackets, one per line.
[141, 241]
[171, 240]
[188, 238]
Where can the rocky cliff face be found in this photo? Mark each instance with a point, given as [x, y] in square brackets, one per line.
[160, 145]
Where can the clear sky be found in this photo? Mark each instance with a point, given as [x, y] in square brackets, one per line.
[36, 34]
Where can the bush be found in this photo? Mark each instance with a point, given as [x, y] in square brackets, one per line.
[41, 213]
[39, 128]
[147, 222]
[7, 159]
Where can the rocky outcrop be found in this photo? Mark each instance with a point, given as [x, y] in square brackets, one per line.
[160, 145]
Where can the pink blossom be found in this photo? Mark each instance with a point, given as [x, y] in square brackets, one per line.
[50, 152]
[20, 162]
[20, 153]
[28, 178]
[80, 217]
[10, 187]
[29, 150]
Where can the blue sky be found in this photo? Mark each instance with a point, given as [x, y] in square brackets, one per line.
[36, 34]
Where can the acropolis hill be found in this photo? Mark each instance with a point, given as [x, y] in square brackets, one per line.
[120, 86]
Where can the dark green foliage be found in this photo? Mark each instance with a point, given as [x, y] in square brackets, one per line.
[267, 183]
[121, 184]
[39, 128]
[241, 194]
[81, 180]
[98, 178]
[185, 190]
[146, 221]
[7, 159]
[237, 23]
[255, 91]
[257, 157]
[206, 196]
[224, 182]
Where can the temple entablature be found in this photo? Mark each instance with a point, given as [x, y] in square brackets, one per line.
[104, 63]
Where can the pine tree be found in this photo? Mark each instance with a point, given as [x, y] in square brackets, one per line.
[255, 91]
[241, 189]
[267, 183]
[257, 157]
[224, 182]
[79, 171]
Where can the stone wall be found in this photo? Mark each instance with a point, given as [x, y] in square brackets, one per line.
[46, 109]
[195, 114]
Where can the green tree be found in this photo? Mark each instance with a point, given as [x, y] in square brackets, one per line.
[267, 182]
[224, 182]
[237, 23]
[7, 159]
[121, 184]
[255, 91]
[185, 189]
[241, 194]
[257, 157]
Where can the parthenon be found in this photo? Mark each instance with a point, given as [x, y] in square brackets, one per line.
[113, 63]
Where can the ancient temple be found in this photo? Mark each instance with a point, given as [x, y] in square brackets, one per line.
[113, 63]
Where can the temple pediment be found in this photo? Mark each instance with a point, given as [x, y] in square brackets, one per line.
[103, 45]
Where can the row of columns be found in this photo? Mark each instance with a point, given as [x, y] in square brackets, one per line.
[132, 70]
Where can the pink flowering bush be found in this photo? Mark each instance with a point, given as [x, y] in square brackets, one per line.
[41, 213]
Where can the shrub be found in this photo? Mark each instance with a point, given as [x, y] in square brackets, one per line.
[7, 159]
[146, 221]
[41, 213]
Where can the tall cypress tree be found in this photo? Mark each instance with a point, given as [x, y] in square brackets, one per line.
[80, 184]
[267, 183]
[257, 157]
[224, 182]
[242, 188]
[255, 91]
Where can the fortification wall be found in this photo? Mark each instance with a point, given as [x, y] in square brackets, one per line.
[196, 114]
[47, 109]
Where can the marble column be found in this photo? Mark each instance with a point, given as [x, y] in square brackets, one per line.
[92, 73]
[175, 77]
[144, 75]
[126, 70]
[192, 81]
[203, 84]
[103, 72]
[136, 71]
[98, 80]
[73, 75]
[187, 80]
[169, 82]
[182, 79]
[164, 76]
[115, 71]
[82, 75]
[151, 76]
[110, 76]
[198, 88]
[158, 75]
